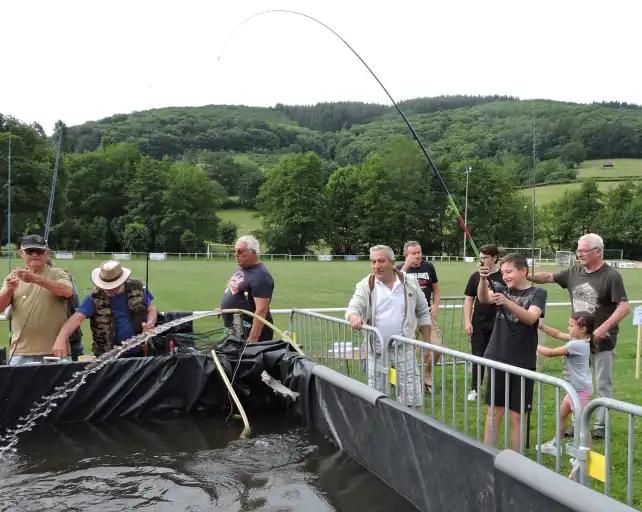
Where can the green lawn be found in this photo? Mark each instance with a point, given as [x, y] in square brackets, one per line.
[549, 193]
[624, 167]
[197, 285]
[246, 220]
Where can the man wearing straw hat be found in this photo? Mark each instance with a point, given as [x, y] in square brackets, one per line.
[120, 307]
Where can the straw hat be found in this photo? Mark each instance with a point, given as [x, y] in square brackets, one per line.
[110, 275]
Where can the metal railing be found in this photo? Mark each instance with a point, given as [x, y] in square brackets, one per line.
[632, 411]
[454, 386]
[332, 342]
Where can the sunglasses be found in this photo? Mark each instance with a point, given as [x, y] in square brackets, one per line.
[34, 251]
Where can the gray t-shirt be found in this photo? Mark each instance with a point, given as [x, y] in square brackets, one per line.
[597, 292]
[576, 365]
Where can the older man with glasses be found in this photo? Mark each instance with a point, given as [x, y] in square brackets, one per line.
[37, 294]
[597, 288]
[250, 288]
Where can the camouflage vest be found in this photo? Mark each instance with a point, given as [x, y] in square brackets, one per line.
[103, 327]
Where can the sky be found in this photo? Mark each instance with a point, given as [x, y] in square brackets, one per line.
[84, 60]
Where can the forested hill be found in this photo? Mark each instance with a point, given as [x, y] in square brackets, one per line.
[452, 126]
[318, 175]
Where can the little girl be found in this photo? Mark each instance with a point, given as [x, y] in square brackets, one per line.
[577, 351]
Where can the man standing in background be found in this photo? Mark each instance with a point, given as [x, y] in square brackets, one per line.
[479, 318]
[415, 265]
[250, 288]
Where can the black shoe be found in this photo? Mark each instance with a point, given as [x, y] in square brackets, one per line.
[598, 433]
[570, 432]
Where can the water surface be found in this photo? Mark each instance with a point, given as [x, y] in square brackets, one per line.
[193, 464]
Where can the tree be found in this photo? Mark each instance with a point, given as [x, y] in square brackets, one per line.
[189, 241]
[291, 204]
[192, 200]
[136, 237]
[228, 232]
[250, 182]
[222, 168]
[146, 196]
[576, 213]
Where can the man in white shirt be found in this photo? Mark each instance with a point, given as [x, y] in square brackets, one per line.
[392, 301]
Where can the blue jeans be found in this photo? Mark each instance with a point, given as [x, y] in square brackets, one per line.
[23, 360]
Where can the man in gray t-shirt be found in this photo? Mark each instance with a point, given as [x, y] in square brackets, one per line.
[597, 288]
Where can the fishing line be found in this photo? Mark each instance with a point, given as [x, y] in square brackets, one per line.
[415, 136]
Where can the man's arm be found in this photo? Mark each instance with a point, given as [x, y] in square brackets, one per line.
[262, 305]
[436, 300]
[60, 346]
[468, 314]
[60, 288]
[541, 277]
[620, 312]
[6, 293]
[357, 307]
[152, 315]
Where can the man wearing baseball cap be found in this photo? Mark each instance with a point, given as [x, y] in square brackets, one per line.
[37, 294]
[120, 307]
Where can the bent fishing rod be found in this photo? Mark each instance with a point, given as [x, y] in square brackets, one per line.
[415, 136]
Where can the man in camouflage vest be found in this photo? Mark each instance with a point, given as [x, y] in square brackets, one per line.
[120, 307]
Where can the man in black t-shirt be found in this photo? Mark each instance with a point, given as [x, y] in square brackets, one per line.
[597, 288]
[479, 318]
[250, 288]
[426, 274]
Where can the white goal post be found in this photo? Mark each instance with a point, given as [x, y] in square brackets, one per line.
[564, 258]
[613, 254]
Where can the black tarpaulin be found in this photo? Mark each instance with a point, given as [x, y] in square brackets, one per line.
[132, 387]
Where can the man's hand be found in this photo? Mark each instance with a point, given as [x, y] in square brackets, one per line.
[484, 271]
[147, 326]
[601, 332]
[468, 327]
[60, 347]
[434, 309]
[27, 276]
[356, 322]
[12, 281]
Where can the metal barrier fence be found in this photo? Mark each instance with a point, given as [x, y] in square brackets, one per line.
[332, 342]
[454, 386]
[632, 411]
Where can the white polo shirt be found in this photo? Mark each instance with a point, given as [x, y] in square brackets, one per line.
[389, 308]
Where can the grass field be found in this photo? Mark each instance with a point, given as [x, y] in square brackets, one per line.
[197, 285]
[625, 169]
[246, 220]
[550, 193]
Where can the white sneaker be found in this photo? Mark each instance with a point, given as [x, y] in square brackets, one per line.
[472, 395]
[549, 448]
